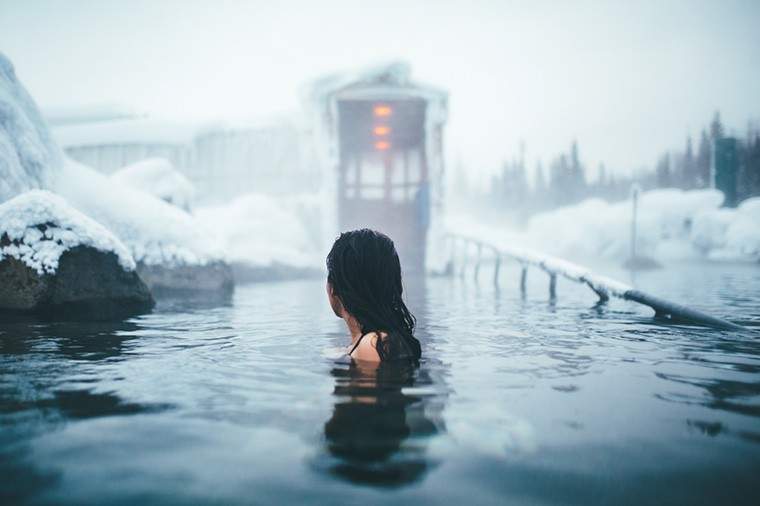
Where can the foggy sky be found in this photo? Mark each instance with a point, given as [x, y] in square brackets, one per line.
[627, 79]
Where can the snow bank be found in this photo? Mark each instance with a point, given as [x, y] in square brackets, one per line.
[27, 153]
[260, 230]
[729, 234]
[672, 224]
[158, 177]
[37, 227]
[155, 232]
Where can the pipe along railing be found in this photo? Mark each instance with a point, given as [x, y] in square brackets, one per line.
[604, 287]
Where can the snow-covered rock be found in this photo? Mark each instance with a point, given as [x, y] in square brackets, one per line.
[28, 156]
[54, 259]
[37, 227]
[154, 232]
[158, 177]
[161, 237]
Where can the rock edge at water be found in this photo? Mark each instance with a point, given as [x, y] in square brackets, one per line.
[88, 284]
[212, 277]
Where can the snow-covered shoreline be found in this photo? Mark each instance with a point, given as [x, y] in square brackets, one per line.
[673, 225]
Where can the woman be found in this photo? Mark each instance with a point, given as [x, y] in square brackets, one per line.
[364, 289]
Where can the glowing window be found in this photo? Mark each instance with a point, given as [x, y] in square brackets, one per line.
[382, 145]
[381, 130]
[382, 111]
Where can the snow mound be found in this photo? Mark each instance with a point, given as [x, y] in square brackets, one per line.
[158, 177]
[27, 153]
[154, 231]
[729, 234]
[37, 227]
[672, 224]
[259, 230]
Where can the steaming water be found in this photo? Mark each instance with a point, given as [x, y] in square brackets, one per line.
[518, 400]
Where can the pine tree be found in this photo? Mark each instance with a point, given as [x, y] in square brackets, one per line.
[576, 176]
[539, 187]
[664, 175]
[752, 166]
[716, 128]
[689, 166]
[540, 179]
[702, 162]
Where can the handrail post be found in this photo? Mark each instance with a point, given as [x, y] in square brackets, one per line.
[552, 286]
[477, 263]
[497, 264]
[465, 246]
[452, 255]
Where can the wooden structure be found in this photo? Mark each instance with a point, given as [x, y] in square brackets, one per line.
[386, 136]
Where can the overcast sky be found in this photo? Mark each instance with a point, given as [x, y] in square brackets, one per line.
[627, 79]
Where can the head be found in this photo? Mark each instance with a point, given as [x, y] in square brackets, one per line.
[364, 282]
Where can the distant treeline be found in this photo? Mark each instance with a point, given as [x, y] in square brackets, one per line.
[566, 180]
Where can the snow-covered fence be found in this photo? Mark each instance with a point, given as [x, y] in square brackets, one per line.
[603, 286]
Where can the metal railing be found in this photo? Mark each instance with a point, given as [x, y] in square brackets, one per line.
[603, 286]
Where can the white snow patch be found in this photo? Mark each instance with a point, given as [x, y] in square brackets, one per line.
[729, 234]
[261, 230]
[40, 226]
[672, 225]
[158, 177]
[154, 231]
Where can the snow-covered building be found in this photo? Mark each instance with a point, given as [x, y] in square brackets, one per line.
[221, 160]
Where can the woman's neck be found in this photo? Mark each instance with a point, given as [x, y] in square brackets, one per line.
[354, 329]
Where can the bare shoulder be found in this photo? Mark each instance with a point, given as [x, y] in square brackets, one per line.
[367, 349]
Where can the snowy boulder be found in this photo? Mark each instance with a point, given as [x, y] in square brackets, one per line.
[55, 261]
[28, 156]
[158, 177]
[160, 237]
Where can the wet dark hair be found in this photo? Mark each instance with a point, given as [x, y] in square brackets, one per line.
[365, 273]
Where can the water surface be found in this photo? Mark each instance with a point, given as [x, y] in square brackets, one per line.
[519, 399]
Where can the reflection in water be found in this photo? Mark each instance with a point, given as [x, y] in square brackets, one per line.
[576, 406]
[51, 382]
[48, 377]
[378, 433]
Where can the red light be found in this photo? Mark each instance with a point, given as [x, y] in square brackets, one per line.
[382, 111]
[381, 130]
[382, 145]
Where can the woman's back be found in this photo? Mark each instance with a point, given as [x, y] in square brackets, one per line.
[385, 346]
[364, 288]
